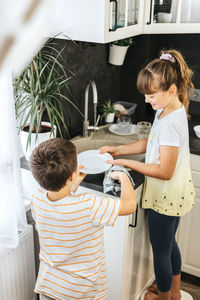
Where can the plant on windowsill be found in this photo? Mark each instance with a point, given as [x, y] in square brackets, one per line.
[118, 50]
[39, 93]
[109, 111]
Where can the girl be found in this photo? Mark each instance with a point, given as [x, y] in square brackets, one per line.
[168, 189]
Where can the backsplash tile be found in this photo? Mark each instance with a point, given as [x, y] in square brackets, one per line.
[90, 61]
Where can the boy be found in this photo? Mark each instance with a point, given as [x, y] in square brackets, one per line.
[70, 226]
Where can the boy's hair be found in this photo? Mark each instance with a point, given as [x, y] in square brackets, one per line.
[53, 162]
[160, 74]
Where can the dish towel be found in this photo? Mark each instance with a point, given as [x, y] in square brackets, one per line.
[111, 185]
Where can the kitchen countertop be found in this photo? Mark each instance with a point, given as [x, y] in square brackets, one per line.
[95, 181]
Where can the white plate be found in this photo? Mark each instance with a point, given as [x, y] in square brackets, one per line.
[115, 128]
[94, 162]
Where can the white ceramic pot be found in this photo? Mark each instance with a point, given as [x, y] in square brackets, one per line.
[35, 142]
[117, 54]
[110, 118]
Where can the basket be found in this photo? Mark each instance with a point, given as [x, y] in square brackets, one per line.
[130, 107]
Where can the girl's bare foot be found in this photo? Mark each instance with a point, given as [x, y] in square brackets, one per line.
[150, 296]
[175, 296]
[153, 288]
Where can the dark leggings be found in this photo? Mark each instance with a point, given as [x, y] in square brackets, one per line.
[166, 254]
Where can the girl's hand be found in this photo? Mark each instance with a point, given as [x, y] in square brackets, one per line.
[120, 162]
[113, 150]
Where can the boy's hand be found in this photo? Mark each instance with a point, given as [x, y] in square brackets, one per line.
[113, 150]
[79, 178]
[80, 175]
[117, 175]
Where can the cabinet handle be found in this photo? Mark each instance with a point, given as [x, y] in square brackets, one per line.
[135, 221]
[149, 22]
[116, 10]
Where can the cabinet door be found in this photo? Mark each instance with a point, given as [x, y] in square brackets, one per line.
[139, 272]
[188, 239]
[128, 256]
[126, 19]
[172, 16]
[98, 21]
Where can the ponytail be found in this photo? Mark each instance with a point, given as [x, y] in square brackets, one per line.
[184, 84]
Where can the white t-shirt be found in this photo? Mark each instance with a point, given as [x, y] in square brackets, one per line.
[72, 259]
[172, 197]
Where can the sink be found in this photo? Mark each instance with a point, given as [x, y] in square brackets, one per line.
[84, 144]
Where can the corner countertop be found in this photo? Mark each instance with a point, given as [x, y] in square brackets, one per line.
[95, 181]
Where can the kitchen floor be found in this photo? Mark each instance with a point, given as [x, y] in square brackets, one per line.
[191, 285]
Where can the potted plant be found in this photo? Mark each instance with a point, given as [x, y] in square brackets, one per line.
[109, 111]
[39, 92]
[118, 50]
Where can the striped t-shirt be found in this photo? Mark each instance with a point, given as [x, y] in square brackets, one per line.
[72, 260]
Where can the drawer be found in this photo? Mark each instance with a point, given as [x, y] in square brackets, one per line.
[195, 162]
[196, 178]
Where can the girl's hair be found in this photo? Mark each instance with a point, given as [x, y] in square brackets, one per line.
[53, 162]
[162, 72]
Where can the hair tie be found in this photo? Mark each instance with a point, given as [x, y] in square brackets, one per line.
[168, 56]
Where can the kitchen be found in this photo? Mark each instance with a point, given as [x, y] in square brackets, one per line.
[90, 61]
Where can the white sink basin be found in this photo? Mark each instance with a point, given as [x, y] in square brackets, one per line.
[84, 144]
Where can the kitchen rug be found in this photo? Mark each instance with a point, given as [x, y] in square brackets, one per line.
[184, 295]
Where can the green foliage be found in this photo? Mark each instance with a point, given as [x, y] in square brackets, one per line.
[108, 107]
[40, 88]
[124, 42]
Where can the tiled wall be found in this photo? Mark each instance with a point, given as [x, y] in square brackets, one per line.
[90, 61]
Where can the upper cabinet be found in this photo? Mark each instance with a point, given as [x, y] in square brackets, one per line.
[104, 21]
[99, 21]
[172, 16]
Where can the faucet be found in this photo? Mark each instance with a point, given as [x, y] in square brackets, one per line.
[86, 126]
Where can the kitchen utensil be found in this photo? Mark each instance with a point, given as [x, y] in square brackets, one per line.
[94, 162]
[164, 17]
[114, 128]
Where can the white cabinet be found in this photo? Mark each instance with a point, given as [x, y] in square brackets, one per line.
[188, 233]
[99, 21]
[128, 256]
[183, 16]
[103, 21]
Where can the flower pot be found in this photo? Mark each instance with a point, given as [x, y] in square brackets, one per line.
[110, 118]
[35, 141]
[117, 54]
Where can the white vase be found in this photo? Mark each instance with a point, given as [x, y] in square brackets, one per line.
[117, 54]
[35, 142]
[110, 118]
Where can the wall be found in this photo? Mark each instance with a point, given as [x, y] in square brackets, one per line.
[90, 61]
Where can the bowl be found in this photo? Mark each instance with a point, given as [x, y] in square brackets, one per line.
[197, 130]
[164, 17]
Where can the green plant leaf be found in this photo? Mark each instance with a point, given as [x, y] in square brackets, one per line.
[40, 88]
